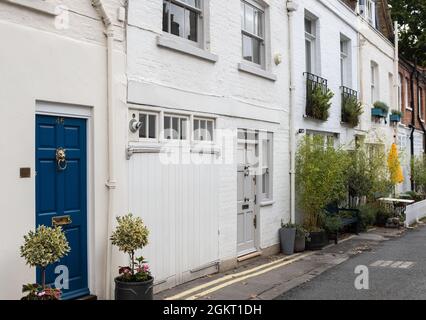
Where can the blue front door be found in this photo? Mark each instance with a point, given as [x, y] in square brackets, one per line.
[61, 193]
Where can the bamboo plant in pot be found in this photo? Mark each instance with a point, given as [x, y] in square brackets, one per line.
[41, 248]
[320, 179]
[135, 281]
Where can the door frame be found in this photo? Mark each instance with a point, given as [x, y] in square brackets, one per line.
[256, 209]
[80, 112]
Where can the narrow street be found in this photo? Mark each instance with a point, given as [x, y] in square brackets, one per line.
[397, 270]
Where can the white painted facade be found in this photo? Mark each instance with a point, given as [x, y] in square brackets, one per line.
[53, 61]
[192, 209]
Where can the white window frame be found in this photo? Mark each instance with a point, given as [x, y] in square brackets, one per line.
[261, 38]
[399, 91]
[180, 117]
[374, 82]
[266, 191]
[149, 113]
[202, 25]
[195, 135]
[345, 62]
[407, 90]
[420, 95]
[391, 90]
[312, 39]
[367, 9]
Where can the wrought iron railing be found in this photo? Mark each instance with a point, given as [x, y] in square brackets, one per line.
[347, 93]
[312, 83]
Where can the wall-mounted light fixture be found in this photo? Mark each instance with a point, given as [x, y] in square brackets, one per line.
[134, 125]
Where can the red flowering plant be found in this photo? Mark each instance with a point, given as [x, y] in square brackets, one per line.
[36, 292]
[139, 273]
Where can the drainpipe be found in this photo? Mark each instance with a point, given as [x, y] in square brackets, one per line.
[396, 65]
[111, 183]
[291, 8]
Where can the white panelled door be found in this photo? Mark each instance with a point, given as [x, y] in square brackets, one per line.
[246, 195]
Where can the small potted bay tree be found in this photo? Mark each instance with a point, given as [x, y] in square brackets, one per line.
[42, 248]
[135, 281]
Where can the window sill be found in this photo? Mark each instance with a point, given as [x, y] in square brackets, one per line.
[267, 203]
[257, 71]
[179, 45]
[39, 6]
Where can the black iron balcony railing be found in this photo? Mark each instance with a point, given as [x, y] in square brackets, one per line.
[346, 94]
[312, 83]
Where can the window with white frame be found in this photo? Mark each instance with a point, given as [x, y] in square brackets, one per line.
[329, 139]
[266, 143]
[420, 103]
[310, 39]
[374, 82]
[183, 18]
[399, 91]
[148, 125]
[367, 9]
[253, 32]
[345, 63]
[391, 90]
[407, 90]
[203, 129]
[175, 127]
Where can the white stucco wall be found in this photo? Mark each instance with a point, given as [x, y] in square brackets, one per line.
[65, 68]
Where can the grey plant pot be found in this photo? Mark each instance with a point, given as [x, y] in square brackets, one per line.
[134, 290]
[287, 237]
[299, 244]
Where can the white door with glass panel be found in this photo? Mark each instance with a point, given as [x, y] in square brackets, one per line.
[246, 190]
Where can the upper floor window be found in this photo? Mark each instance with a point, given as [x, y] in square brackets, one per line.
[367, 8]
[407, 92]
[253, 32]
[183, 18]
[345, 64]
[374, 83]
[391, 90]
[399, 91]
[310, 44]
[420, 104]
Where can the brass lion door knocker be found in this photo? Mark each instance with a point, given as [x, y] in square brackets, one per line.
[61, 160]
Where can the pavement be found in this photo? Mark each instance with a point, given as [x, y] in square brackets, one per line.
[323, 274]
[396, 271]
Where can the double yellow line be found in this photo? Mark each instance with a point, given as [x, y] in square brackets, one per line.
[215, 285]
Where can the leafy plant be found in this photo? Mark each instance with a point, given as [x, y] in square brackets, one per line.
[320, 102]
[367, 215]
[351, 110]
[320, 178]
[131, 235]
[332, 223]
[37, 292]
[419, 173]
[41, 248]
[383, 213]
[396, 112]
[382, 106]
[412, 195]
[394, 165]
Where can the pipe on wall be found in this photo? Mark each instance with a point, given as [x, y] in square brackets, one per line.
[291, 8]
[111, 182]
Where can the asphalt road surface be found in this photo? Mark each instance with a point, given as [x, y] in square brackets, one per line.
[396, 270]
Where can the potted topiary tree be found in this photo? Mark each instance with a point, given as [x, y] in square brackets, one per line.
[42, 248]
[134, 281]
[320, 180]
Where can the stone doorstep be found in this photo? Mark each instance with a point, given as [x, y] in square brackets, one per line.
[315, 264]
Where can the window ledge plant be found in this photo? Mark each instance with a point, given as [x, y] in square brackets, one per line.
[320, 102]
[351, 110]
[380, 109]
[395, 116]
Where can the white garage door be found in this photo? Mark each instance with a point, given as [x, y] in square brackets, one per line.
[179, 204]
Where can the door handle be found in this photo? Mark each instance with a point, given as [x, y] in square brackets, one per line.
[61, 221]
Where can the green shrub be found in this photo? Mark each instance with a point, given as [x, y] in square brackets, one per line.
[419, 173]
[368, 215]
[351, 110]
[332, 223]
[383, 214]
[396, 112]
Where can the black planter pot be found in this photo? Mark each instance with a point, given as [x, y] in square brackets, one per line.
[299, 244]
[318, 240]
[134, 290]
[287, 236]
